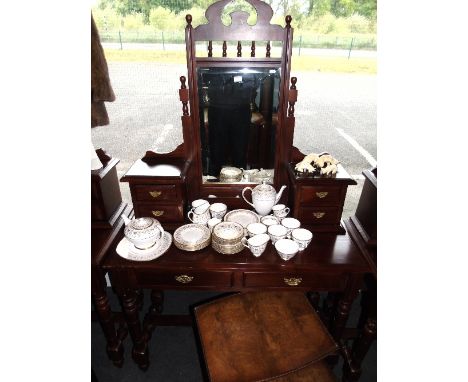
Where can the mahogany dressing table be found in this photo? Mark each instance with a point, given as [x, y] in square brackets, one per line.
[331, 263]
[163, 184]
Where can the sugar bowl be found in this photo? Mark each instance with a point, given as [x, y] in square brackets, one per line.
[144, 232]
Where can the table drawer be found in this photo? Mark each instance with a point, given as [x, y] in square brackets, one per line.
[313, 195]
[164, 213]
[166, 192]
[312, 281]
[319, 215]
[187, 278]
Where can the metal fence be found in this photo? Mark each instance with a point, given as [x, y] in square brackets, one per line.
[301, 40]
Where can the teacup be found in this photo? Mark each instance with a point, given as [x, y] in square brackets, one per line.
[200, 214]
[269, 220]
[280, 211]
[256, 229]
[302, 237]
[257, 244]
[212, 222]
[290, 224]
[200, 202]
[277, 232]
[286, 248]
[218, 210]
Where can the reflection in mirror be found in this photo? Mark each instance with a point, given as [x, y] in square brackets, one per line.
[238, 119]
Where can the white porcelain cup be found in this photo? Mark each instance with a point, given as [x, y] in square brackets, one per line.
[200, 202]
[212, 222]
[257, 244]
[302, 237]
[199, 215]
[280, 211]
[269, 220]
[218, 210]
[277, 232]
[256, 229]
[290, 224]
[286, 248]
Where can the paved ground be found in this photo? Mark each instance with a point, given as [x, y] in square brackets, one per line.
[335, 113]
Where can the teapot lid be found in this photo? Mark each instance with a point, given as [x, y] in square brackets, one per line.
[265, 184]
[142, 223]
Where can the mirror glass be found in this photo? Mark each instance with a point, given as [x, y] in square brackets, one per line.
[238, 119]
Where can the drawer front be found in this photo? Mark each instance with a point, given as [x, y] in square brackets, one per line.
[184, 278]
[164, 213]
[312, 281]
[320, 195]
[319, 215]
[155, 193]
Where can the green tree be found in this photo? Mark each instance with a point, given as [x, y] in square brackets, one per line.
[161, 18]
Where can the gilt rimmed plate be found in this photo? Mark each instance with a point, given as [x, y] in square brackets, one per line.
[128, 251]
[243, 217]
[192, 237]
[228, 233]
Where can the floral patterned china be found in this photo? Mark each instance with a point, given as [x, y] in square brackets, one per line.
[128, 251]
[144, 232]
[264, 197]
[257, 244]
[192, 237]
[243, 217]
[286, 248]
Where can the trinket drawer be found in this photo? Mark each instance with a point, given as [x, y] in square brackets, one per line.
[158, 190]
[318, 200]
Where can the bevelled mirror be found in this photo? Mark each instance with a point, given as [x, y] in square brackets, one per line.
[238, 109]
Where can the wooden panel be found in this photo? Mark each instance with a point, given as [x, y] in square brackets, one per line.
[164, 213]
[155, 192]
[298, 279]
[319, 215]
[183, 278]
[313, 195]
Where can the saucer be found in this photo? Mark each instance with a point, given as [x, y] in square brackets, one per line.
[243, 217]
[128, 251]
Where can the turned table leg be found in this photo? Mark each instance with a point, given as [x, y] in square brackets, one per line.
[352, 372]
[329, 307]
[114, 340]
[368, 325]
[140, 342]
[155, 309]
[314, 299]
[342, 311]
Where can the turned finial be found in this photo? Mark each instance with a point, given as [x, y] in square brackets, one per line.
[182, 81]
[288, 21]
[293, 82]
[188, 18]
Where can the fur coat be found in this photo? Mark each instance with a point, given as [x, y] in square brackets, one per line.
[101, 89]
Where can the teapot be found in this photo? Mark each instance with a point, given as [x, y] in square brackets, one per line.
[264, 197]
[144, 232]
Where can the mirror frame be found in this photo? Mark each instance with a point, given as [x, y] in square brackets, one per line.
[237, 31]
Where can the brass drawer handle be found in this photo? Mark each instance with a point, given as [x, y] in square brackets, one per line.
[293, 281]
[155, 194]
[319, 215]
[321, 195]
[184, 279]
[157, 213]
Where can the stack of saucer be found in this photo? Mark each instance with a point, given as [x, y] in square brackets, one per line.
[226, 238]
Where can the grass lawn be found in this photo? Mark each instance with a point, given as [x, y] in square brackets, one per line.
[299, 63]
